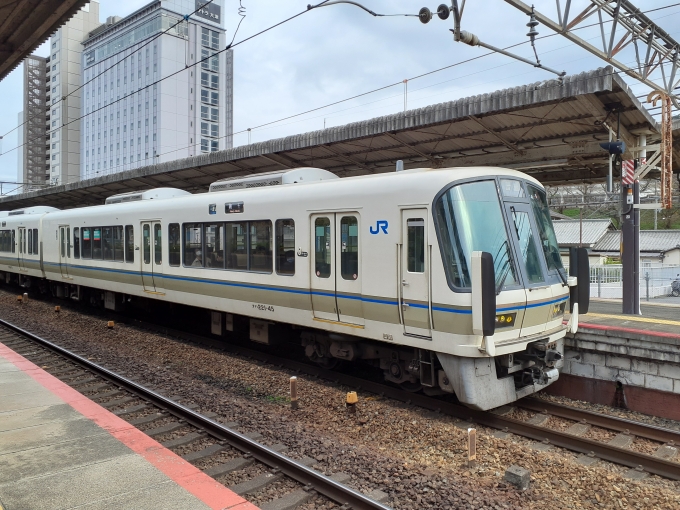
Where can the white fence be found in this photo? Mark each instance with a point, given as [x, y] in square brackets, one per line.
[655, 281]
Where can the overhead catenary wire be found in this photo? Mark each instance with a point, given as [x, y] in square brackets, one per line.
[131, 94]
[184, 18]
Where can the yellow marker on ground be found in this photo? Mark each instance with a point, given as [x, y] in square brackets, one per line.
[633, 318]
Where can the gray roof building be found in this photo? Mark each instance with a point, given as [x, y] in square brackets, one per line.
[652, 242]
[569, 233]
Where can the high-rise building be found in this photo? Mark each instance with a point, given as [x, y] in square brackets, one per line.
[51, 127]
[34, 162]
[148, 100]
[63, 78]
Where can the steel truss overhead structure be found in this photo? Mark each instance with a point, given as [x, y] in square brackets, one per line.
[622, 27]
[551, 130]
[36, 166]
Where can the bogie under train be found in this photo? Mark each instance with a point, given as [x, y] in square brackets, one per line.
[449, 280]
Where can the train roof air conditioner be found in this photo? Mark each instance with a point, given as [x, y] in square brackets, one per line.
[32, 210]
[150, 194]
[297, 175]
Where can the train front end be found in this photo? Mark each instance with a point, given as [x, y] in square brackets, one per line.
[501, 258]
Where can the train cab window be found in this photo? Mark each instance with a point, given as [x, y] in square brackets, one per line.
[285, 247]
[322, 247]
[527, 245]
[512, 188]
[469, 218]
[76, 242]
[193, 244]
[174, 244]
[146, 243]
[260, 253]
[97, 243]
[237, 245]
[118, 241]
[87, 243]
[157, 244]
[107, 242]
[68, 242]
[213, 234]
[415, 233]
[129, 243]
[349, 248]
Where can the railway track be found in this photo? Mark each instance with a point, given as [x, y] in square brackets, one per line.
[617, 452]
[214, 447]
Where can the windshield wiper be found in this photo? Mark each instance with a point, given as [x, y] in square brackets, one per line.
[507, 266]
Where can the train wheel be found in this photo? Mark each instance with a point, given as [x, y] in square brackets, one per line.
[411, 387]
[675, 293]
[327, 363]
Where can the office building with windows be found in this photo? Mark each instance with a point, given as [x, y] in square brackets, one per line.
[146, 100]
[51, 125]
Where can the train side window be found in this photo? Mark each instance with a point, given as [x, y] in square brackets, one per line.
[13, 241]
[157, 244]
[146, 243]
[97, 243]
[214, 245]
[322, 247]
[349, 254]
[62, 242]
[174, 244]
[76, 242]
[118, 242]
[129, 243]
[87, 243]
[260, 253]
[237, 245]
[285, 247]
[29, 233]
[107, 242]
[193, 244]
[68, 242]
[415, 232]
[36, 243]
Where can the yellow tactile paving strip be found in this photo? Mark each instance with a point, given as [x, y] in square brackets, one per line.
[634, 318]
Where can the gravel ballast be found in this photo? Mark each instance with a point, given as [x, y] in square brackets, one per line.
[415, 456]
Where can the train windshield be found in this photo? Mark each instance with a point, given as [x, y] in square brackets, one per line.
[546, 232]
[470, 218]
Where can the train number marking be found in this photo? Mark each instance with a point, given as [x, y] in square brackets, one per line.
[387, 336]
[263, 308]
[380, 225]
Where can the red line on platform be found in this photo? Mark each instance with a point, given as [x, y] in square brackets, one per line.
[193, 480]
[629, 330]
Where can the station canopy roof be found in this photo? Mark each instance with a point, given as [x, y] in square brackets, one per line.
[550, 130]
[26, 24]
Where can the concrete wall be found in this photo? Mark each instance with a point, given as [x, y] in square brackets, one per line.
[640, 360]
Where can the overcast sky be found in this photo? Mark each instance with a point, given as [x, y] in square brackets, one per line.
[336, 52]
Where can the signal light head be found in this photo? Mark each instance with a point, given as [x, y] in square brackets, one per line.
[617, 147]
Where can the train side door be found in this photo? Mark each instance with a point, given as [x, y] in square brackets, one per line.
[64, 249]
[530, 257]
[152, 256]
[322, 266]
[415, 273]
[348, 276]
[21, 252]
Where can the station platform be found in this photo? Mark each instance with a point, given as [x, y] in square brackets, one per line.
[657, 319]
[59, 450]
[627, 361]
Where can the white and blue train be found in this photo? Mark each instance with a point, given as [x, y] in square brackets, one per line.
[449, 280]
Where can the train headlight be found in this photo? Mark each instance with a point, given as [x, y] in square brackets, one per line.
[558, 309]
[505, 320]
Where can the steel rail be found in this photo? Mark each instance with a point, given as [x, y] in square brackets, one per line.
[653, 432]
[621, 456]
[309, 477]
